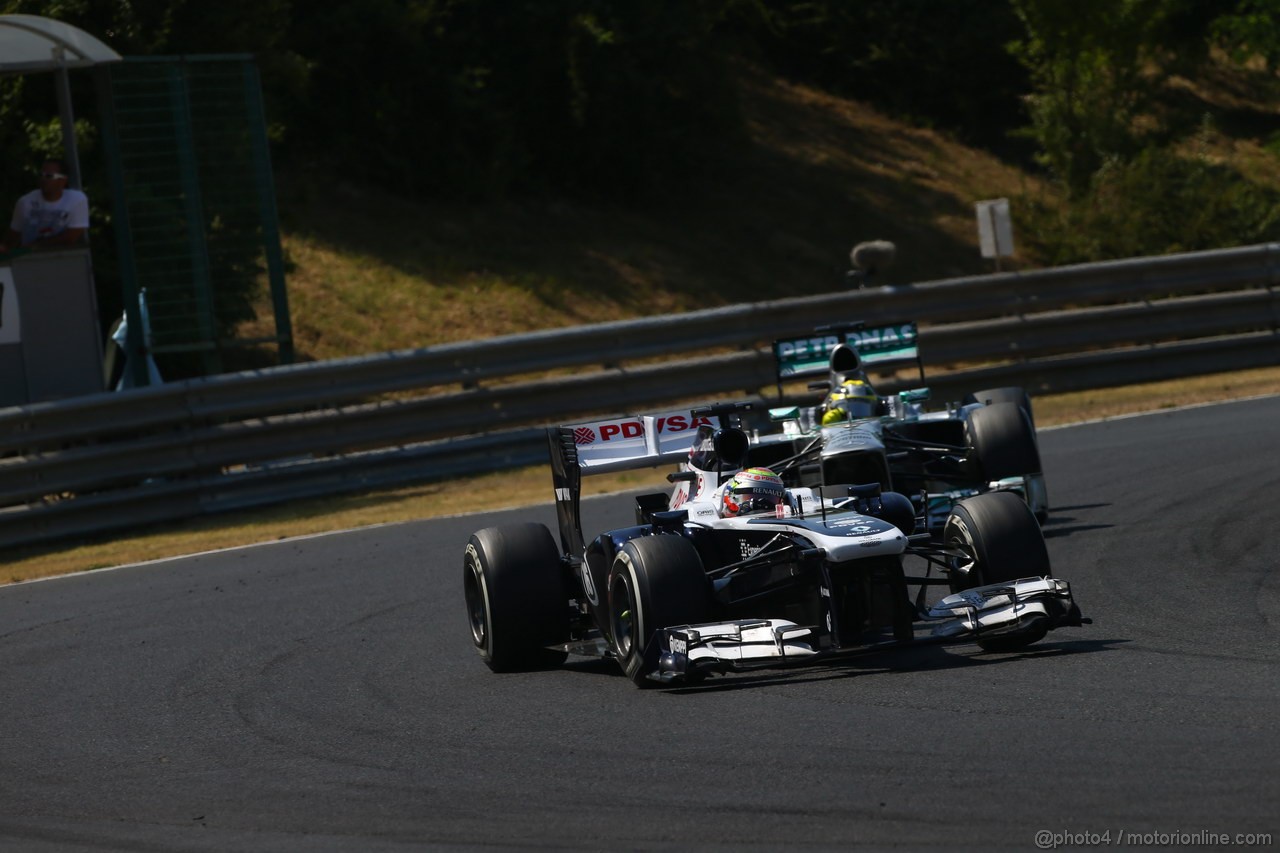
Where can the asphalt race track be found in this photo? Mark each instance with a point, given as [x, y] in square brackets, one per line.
[323, 694]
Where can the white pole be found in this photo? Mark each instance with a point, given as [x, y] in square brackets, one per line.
[995, 233]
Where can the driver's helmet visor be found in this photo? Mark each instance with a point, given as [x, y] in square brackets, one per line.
[751, 500]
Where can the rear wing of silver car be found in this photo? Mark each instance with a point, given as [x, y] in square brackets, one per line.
[807, 356]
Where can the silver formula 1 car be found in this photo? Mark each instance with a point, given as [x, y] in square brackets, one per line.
[985, 443]
[734, 571]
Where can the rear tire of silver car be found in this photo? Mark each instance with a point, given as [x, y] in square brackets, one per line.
[1003, 441]
[1001, 541]
[655, 582]
[1003, 438]
[516, 601]
[1009, 394]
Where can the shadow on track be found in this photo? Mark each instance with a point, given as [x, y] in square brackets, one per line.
[1058, 525]
[1061, 532]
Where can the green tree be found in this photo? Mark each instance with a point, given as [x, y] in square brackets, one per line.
[486, 97]
[1095, 66]
[1251, 29]
[1156, 203]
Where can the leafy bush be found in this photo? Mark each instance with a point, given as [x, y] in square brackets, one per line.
[1095, 69]
[1157, 203]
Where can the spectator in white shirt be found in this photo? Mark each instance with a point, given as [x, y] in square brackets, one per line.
[51, 216]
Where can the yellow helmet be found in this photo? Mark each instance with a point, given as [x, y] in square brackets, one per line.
[854, 398]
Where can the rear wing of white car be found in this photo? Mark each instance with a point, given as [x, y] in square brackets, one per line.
[807, 356]
[616, 444]
[621, 444]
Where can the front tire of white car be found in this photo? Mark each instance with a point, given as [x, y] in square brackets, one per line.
[655, 582]
[1000, 541]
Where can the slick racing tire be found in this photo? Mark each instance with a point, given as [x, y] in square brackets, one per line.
[1003, 441]
[516, 599]
[1010, 394]
[655, 582]
[1001, 540]
[998, 534]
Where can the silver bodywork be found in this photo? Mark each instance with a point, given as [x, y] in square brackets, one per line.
[865, 437]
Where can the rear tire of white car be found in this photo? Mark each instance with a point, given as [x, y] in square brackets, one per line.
[655, 582]
[516, 599]
[1001, 539]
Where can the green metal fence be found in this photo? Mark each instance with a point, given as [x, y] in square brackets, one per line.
[194, 205]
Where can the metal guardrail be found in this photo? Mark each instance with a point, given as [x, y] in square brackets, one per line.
[108, 461]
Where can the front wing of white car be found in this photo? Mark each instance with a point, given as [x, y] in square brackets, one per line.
[987, 612]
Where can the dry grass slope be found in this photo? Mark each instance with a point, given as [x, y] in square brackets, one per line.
[373, 272]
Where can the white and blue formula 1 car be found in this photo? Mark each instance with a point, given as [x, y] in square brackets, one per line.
[986, 443]
[734, 571]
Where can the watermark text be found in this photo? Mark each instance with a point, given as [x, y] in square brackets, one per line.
[1048, 839]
